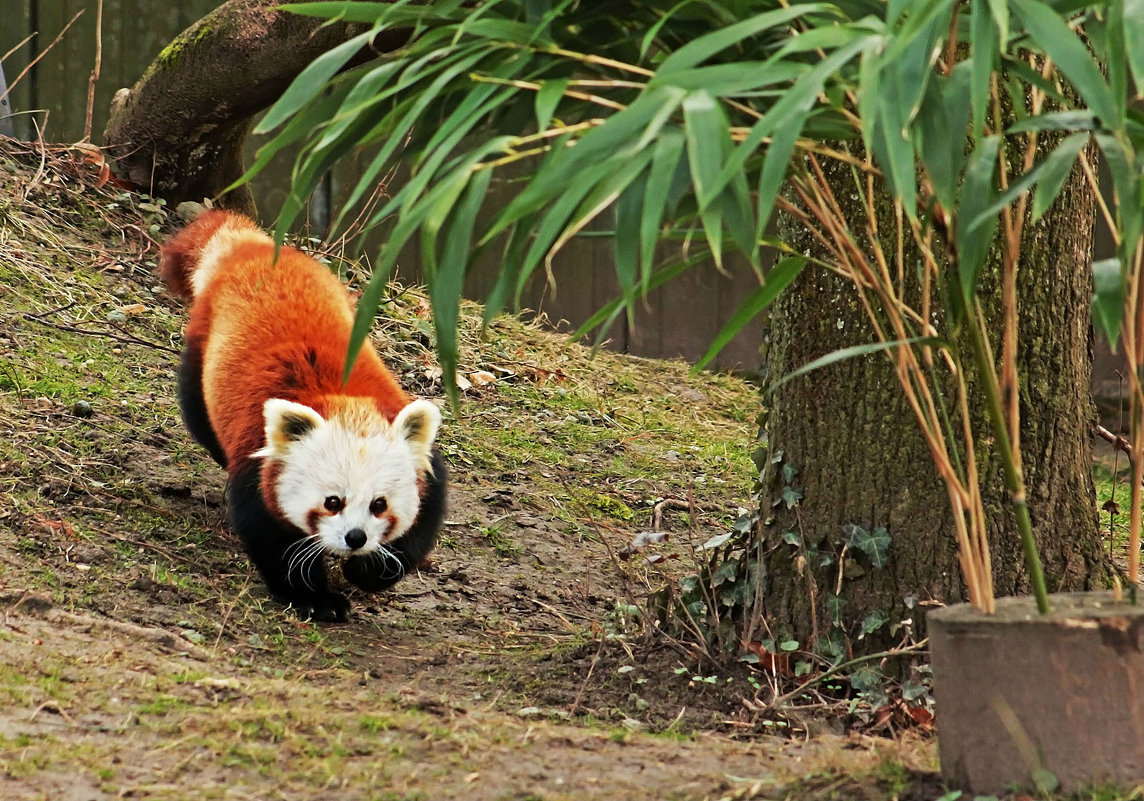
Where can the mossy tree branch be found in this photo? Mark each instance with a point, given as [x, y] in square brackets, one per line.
[179, 132]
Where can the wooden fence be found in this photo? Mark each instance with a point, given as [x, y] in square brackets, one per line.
[679, 320]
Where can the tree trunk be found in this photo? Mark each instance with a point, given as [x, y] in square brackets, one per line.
[178, 133]
[861, 459]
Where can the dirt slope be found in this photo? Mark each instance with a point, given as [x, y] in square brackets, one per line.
[139, 658]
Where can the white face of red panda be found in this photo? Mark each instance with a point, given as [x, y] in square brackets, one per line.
[351, 484]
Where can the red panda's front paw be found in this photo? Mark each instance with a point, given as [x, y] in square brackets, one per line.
[331, 608]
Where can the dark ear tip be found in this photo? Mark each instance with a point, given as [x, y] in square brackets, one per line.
[296, 426]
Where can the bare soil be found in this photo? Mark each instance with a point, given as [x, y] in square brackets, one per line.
[140, 657]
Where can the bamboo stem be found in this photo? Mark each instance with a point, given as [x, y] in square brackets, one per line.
[1014, 477]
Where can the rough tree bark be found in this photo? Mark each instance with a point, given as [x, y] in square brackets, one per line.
[861, 459]
[178, 133]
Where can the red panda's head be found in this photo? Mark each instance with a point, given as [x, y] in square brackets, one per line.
[351, 480]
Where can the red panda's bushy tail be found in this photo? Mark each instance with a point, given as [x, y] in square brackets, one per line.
[180, 255]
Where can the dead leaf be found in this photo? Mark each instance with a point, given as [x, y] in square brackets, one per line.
[776, 664]
[642, 540]
[481, 378]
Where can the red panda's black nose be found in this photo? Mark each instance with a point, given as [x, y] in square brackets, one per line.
[355, 538]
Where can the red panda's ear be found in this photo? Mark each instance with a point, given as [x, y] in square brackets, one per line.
[286, 423]
[417, 423]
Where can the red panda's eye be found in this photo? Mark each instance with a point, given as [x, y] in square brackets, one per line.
[378, 506]
[334, 504]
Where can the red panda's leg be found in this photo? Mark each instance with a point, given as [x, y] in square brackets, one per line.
[376, 571]
[192, 405]
[294, 575]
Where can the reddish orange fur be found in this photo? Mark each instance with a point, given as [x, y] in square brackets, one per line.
[267, 329]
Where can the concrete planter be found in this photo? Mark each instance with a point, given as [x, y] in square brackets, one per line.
[1019, 693]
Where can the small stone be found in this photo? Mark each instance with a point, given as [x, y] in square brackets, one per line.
[81, 408]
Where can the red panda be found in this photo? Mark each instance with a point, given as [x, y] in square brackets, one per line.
[315, 466]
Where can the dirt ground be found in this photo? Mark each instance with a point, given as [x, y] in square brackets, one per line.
[140, 658]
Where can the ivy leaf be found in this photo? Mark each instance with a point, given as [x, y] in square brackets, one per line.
[792, 538]
[872, 622]
[834, 609]
[865, 679]
[789, 473]
[791, 496]
[715, 541]
[875, 544]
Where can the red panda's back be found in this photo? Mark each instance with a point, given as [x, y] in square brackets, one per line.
[278, 330]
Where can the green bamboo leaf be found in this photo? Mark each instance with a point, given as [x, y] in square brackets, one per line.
[1080, 120]
[621, 136]
[706, 46]
[1048, 174]
[856, 351]
[312, 80]
[653, 31]
[1122, 168]
[669, 272]
[705, 127]
[347, 11]
[629, 213]
[999, 10]
[547, 99]
[974, 236]
[368, 91]
[299, 126]
[983, 46]
[778, 279]
[737, 78]
[774, 170]
[1134, 42]
[448, 287]
[941, 131]
[790, 110]
[1059, 42]
[515, 246]
[1108, 297]
[468, 114]
[559, 214]
[1112, 54]
[1056, 168]
[666, 161]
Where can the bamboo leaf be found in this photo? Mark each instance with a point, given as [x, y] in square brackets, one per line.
[706, 46]
[312, 80]
[1134, 42]
[975, 236]
[547, 99]
[1056, 168]
[983, 45]
[448, 287]
[1080, 120]
[856, 351]
[658, 279]
[666, 160]
[346, 11]
[629, 213]
[1059, 42]
[778, 279]
[1108, 297]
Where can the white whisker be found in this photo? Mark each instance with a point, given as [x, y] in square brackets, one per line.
[301, 555]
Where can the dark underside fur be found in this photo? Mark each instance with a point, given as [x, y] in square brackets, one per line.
[192, 405]
[271, 542]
